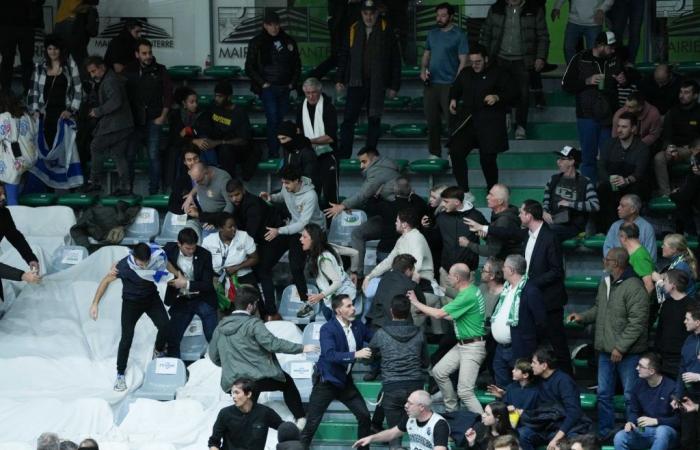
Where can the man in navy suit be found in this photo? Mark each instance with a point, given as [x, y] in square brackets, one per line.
[342, 340]
[545, 269]
[198, 297]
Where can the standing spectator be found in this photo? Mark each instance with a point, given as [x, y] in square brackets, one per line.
[197, 297]
[76, 23]
[274, 67]
[245, 423]
[428, 224]
[648, 119]
[492, 281]
[243, 347]
[515, 35]
[17, 32]
[628, 211]
[675, 248]
[151, 96]
[681, 128]
[545, 269]
[445, 55]
[518, 319]
[593, 76]
[494, 423]
[369, 64]
[569, 197]
[585, 20]
[318, 121]
[182, 122]
[455, 233]
[115, 125]
[209, 196]
[661, 88]
[639, 258]
[622, 168]
[628, 15]
[651, 421]
[688, 381]
[342, 344]
[120, 51]
[467, 313]
[620, 314]
[503, 214]
[301, 202]
[299, 153]
[340, 16]
[486, 94]
[687, 196]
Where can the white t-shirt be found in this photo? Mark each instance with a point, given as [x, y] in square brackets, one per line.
[222, 255]
[499, 327]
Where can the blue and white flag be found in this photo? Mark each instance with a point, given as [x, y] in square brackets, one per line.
[157, 268]
[58, 167]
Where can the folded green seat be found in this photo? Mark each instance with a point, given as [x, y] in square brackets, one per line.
[184, 72]
[410, 130]
[582, 282]
[157, 201]
[222, 71]
[662, 204]
[77, 200]
[37, 199]
[350, 166]
[130, 200]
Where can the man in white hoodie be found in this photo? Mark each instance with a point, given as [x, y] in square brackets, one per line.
[300, 199]
[585, 19]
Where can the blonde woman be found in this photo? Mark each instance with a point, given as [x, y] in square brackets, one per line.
[675, 248]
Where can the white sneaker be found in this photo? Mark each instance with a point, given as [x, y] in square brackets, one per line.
[433, 156]
[120, 383]
[520, 133]
[301, 423]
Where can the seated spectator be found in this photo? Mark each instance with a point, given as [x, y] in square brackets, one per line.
[569, 197]
[183, 120]
[651, 421]
[491, 285]
[183, 185]
[494, 422]
[555, 388]
[628, 211]
[454, 232]
[582, 442]
[621, 315]
[687, 196]
[245, 423]
[209, 197]
[681, 128]
[661, 88]
[675, 249]
[622, 168]
[301, 203]
[318, 121]
[225, 136]
[639, 257]
[299, 153]
[650, 123]
[688, 381]
[518, 320]
[327, 267]
[521, 394]
[503, 214]
[670, 336]
[507, 442]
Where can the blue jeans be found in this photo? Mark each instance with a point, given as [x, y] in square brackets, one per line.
[623, 12]
[501, 365]
[607, 377]
[661, 437]
[148, 135]
[593, 136]
[181, 314]
[12, 194]
[275, 101]
[572, 35]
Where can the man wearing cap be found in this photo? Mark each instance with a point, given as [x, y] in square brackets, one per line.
[593, 75]
[369, 64]
[225, 135]
[569, 197]
[274, 67]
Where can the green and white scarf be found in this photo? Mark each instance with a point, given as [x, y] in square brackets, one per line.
[515, 306]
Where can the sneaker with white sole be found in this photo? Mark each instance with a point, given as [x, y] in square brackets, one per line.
[520, 133]
[120, 383]
[301, 423]
[305, 311]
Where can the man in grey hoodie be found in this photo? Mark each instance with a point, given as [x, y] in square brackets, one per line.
[300, 199]
[244, 348]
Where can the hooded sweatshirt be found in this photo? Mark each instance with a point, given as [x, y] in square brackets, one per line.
[403, 352]
[303, 207]
[377, 176]
[243, 347]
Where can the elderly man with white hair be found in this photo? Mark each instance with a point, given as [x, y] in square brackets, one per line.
[628, 211]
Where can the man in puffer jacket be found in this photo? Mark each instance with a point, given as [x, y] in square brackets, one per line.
[244, 348]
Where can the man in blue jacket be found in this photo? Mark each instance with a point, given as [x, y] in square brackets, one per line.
[688, 383]
[342, 341]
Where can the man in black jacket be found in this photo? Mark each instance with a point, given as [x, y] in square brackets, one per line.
[197, 297]
[17, 31]
[274, 67]
[299, 153]
[545, 269]
[503, 214]
[120, 50]
[369, 64]
[151, 96]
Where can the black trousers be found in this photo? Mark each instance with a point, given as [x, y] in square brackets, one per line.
[690, 430]
[686, 198]
[328, 167]
[270, 254]
[12, 38]
[292, 398]
[245, 156]
[520, 76]
[357, 98]
[489, 165]
[558, 341]
[132, 310]
[322, 395]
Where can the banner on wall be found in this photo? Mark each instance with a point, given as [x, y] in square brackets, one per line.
[684, 35]
[673, 8]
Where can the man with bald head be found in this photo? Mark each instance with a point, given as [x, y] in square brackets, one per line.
[209, 194]
[466, 312]
[426, 429]
[661, 88]
[503, 214]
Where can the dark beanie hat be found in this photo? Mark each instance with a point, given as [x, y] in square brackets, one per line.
[287, 431]
[223, 88]
[287, 128]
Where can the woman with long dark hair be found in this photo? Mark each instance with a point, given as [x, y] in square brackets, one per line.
[327, 267]
[495, 422]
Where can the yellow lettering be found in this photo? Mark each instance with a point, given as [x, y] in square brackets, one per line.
[220, 119]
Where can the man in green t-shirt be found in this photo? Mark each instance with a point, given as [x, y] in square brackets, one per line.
[466, 311]
[639, 259]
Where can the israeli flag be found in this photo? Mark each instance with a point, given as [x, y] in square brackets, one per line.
[58, 167]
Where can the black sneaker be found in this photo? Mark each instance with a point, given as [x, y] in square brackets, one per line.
[305, 311]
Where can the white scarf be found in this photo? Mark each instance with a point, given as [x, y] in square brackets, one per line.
[317, 129]
[157, 268]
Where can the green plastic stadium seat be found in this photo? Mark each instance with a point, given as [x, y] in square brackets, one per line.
[588, 401]
[484, 397]
[571, 243]
[662, 204]
[410, 71]
[45, 199]
[77, 200]
[269, 165]
[243, 100]
[184, 72]
[397, 102]
[580, 363]
[688, 67]
[157, 201]
[594, 242]
[350, 166]
[259, 129]
[619, 403]
[130, 200]
[222, 71]
[430, 166]
[402, 163]
[205, 99]
[410, 130]
[369, 389]
[582, 282]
